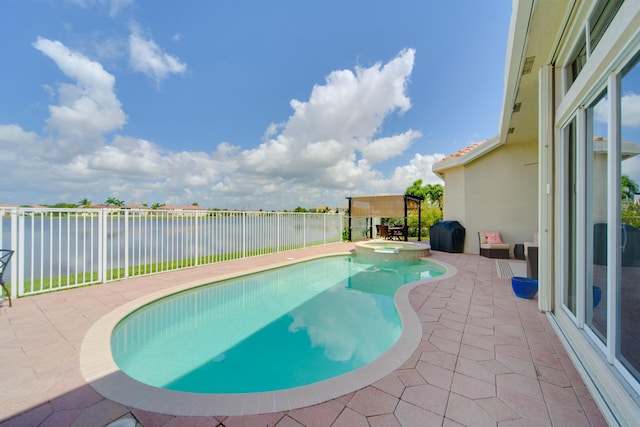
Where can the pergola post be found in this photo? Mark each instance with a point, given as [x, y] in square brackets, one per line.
[420, 221]
[406, 220]
[349, 220]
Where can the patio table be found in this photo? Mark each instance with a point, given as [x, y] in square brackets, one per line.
[396, 233]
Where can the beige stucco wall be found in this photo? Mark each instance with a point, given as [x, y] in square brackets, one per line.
[454, 201]
[499, 192]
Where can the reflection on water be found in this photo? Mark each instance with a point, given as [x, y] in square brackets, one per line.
[278, 329]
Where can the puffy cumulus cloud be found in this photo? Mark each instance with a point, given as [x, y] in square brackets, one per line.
[87, 108]
[147, 57]
[630, 107]
[328, 149]
[418, 168]
[332, 332]
[19, 147]
[385, 148]
[73, 156]
[330, 140]
[353, 104]
[130, 162]
[14, 136]
[631, 110]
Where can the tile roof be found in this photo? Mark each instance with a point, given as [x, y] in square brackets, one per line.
[463, 151]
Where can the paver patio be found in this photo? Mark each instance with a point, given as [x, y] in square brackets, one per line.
[486, 358]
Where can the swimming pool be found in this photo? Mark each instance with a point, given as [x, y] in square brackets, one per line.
[273, 330]
[100, 371]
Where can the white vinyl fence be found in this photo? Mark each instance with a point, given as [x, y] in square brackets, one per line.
[62, 248]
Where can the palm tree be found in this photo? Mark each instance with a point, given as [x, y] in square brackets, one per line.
[435, 192]
[629, 188]
[157, 205]
[112, 201]
[84, 203]
[416, 190]
[431, 192]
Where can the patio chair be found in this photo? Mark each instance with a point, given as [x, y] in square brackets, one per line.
[492, 246]
[382, 231]
[5, 256]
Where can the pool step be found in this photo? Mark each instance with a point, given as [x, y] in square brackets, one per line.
[387, 250]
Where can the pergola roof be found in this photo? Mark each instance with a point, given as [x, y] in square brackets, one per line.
[382, 206]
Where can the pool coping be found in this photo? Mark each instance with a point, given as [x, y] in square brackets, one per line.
[101, 372]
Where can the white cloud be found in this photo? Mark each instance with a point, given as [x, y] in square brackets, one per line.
[319, 142]
[385, 148]
[630, 105]
[418, 168]
[147, 57]
[88, 108]
[631, 110]
[353, 104]
[324, 152]
[333, 334]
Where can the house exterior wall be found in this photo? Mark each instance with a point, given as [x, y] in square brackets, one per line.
[455, 196]
[484, 195]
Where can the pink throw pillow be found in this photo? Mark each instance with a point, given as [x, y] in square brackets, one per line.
[492, 237]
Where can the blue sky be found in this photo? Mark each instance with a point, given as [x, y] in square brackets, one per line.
[238, 104]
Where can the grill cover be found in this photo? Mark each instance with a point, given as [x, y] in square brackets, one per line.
[447, 236]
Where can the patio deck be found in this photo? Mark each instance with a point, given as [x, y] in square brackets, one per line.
[486, 358]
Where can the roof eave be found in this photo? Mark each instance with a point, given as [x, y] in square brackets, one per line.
[467, 157]
[522, 11]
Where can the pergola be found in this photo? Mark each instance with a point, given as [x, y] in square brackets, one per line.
[384, 207]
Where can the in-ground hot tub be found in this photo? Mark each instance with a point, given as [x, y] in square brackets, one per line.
[390, 250]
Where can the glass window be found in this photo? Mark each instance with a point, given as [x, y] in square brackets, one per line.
[601, 17]
[599, 20]
[597, 195]
[569, 291]
[578, 62]
[628, 316]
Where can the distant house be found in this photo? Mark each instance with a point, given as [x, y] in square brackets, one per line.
[322, 209]
[170, 208]
[572, 86]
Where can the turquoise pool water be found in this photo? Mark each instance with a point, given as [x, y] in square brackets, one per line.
[273, 330]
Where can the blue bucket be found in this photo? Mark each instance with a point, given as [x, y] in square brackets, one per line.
[524, 287]
[597, 295]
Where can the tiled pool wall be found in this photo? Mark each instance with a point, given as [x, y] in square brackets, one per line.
[392, 251]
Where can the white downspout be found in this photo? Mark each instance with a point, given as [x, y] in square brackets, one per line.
[545, 187]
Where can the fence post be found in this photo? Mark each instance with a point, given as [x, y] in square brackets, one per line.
[102, 247]
[244, 234]
[324, 228]
[17, 275]
[196, 217]
[278, 219]
[126, 244]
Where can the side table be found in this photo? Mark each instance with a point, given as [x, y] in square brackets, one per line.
[518, 251]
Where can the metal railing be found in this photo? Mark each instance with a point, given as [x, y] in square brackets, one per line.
[63, 248]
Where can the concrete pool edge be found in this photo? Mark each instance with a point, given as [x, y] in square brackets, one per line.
[382, 249]
[100, 371]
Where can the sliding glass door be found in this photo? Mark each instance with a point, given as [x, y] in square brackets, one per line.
[628, 316]
[597, 223]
